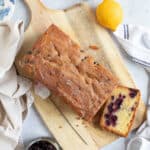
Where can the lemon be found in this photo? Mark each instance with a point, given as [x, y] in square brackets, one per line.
[109, 14]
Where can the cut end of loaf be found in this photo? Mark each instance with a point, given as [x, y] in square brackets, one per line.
[119, 112]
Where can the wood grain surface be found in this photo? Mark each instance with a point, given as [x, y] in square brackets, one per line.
[80, 24]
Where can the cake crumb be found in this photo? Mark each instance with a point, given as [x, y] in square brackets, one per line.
[93, 47]
[60, 127]
[77, 125]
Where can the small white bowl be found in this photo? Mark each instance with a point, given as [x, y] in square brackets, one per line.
[7, 8]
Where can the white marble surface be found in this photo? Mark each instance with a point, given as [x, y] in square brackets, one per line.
[135, 12]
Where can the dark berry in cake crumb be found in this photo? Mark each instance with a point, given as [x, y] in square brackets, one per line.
[133, 93]
[110, 107]
[113, 123]
[113, 118]
[112, 97]
[107, 116]
[107, 122]
[124, 96]
[120, 95]
[111, 104]
[118, 102]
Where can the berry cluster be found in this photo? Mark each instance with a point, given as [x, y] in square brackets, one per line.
[112, 108]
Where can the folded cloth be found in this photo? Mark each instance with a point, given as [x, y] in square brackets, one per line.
[11, 36]
[15, 95]
[135, 40]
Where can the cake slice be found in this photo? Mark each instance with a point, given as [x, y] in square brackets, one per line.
[59, 63]
[119, 112]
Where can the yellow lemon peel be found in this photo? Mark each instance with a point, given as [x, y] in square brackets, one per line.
[109, 14]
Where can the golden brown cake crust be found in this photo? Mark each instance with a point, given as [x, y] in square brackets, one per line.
[104, 126]
[57, 62]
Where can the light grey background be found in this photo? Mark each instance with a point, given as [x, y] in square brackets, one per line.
[135, 12]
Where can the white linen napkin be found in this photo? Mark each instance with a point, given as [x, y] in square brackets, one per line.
[15, 96]
[135, 40]
[11, 36]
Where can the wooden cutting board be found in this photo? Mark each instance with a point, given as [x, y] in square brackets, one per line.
[80, 24]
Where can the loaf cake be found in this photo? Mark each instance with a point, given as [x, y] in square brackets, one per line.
[120, 110]
[59, 63]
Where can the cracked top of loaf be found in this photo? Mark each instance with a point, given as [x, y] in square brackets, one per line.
[59, 63]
